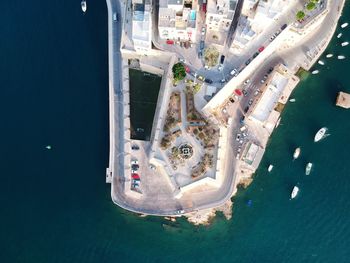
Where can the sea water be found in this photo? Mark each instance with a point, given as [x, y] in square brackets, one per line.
[55, 205]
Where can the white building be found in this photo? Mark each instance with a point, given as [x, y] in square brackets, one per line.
[177, 20]
[218, 19]
[141, 25]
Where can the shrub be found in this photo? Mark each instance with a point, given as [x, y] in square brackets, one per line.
[179, 71]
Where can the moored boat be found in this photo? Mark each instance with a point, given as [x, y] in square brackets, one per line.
[315, 72]
[341, 57]
[83, 6]
[344, 25]
[292, 100]
[321, 62]
[48, 147]
[344, 44]
[296, 153]
[321, 133]
[308, 168]
[339, 35]
[269, 169]
[329, 55]
[294, 192]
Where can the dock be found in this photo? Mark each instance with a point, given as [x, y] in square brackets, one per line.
[343, 100]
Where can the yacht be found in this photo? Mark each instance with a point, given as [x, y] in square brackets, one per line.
[308, 168]
[329, 55]
[320, 134]
[296, 153]
[269, 169]
[315, 72]
[292, 100]
[344, 44]
[48, 147]
[341, 57]
[294, 192]
[321, 62]
[344, 25]
[339, 35]
[83, 6]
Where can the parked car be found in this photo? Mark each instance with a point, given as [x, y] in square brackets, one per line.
[223, 81]
[246, 109]
[233, 72]
[261, 49]
[209, 81]
[135, 147]
[245, 93]
[135, 167]
[134, 162]
[222, 59]
[201, 45]
[250, 102]
[220, 67]
[203, 31]
[283, 27]
[246, 81]
[231, 100]
[270, 70]
[170, 42]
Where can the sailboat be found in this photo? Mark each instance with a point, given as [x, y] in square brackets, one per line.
[83, 6]
[344, 44]
[321, 62]
[269, 169]
[315, 72]
[341, 57]
[48, 147]
[292, 100]
[294, 192]
[308, 168]
[296, 153]
[329, 55]
[339, 35]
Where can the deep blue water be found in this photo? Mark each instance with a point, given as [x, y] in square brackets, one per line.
[55, 205]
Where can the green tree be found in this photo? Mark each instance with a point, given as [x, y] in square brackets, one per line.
[310, 6]
[300, 15]
[179, 72]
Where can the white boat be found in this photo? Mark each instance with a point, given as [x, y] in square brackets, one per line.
[315, 72]
[341, 57]
[321, 62]
[278, 122]
[320, 134]
[344, 44]
[339, 35]
[292, 100]
[308, 168]
[329, 55]
[296, 153]
[294, 192]
[83, 6]
[269, 169]
[344, 25]
[48, 147]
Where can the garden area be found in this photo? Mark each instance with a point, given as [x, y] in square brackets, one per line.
[174, 112]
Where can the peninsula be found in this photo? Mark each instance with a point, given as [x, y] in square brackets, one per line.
[196, 89]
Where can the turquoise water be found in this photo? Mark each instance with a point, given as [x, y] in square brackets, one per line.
[55, 205]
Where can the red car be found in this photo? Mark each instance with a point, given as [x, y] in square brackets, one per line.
[135, 176]
[187, 69]
[170, 42]
[261, 49]
[238, 92]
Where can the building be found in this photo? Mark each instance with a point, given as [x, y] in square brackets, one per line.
[218, 20]
[177, 20]
[252, 155]
[141, 25]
